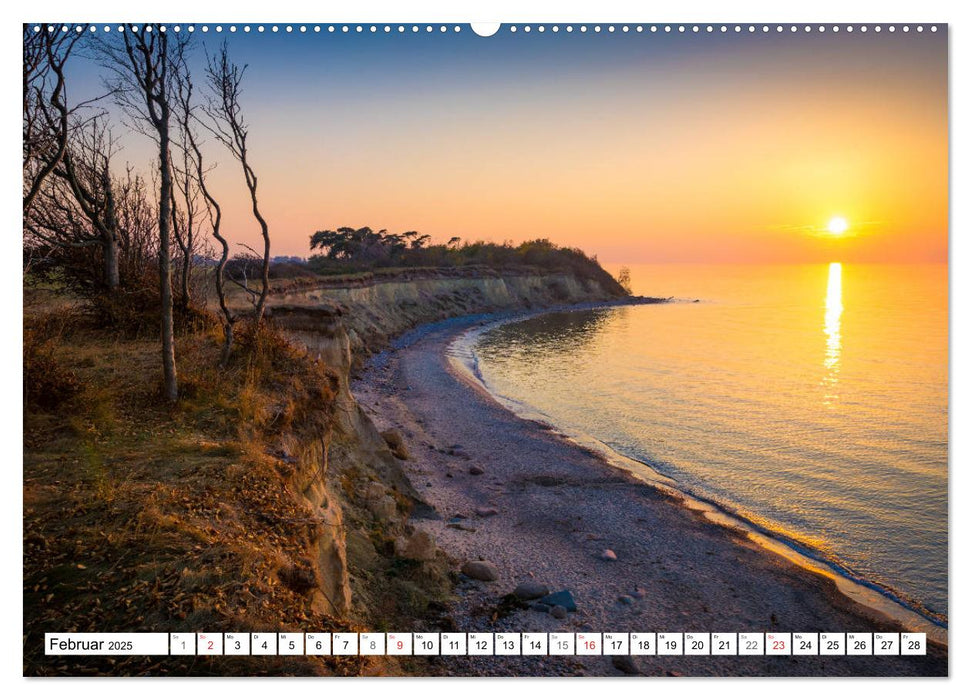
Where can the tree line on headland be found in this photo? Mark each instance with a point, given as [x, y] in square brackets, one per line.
[349, 249]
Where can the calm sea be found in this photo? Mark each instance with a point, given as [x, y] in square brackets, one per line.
[811, 400]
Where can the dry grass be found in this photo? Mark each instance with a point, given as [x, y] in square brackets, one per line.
[139, 516]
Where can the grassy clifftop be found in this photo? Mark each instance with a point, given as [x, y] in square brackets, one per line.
[228, 511]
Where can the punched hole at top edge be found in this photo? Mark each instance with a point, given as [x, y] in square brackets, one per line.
[485, 28]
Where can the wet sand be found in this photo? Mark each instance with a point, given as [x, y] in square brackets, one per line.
[560, 506]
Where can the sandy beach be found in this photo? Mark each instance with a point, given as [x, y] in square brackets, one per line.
[543, 511]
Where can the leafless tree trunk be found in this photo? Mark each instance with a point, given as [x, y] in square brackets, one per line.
[145, 67]
[137, 221]
[46, 113]
[194, 153]
[184, 225]
[87, 170]
[79, 208]
[225, 113]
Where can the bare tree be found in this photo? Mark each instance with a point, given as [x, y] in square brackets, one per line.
[83, 208]
[227, 125]
[86, 168]
[145, 67]
[58, 234]
[185, 215]
[194, 156]
[46, 113]
[137, 222]
[79, 203]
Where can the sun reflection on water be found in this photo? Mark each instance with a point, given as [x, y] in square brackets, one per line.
[832, 329]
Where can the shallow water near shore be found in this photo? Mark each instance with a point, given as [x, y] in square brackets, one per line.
[810, 400]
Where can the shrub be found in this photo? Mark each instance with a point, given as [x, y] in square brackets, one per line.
[47, 383]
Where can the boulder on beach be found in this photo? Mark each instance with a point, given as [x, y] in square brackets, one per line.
[608, 555]
[476, 471]
[558, 611]
[626, 664]
[562, 598]
[480, 570]
[419, 547]
[530, 591]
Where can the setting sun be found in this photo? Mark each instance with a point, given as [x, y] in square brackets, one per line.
[837, 225]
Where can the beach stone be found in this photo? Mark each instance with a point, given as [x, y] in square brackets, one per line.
[562, 598]
[540, 607]
[419, 547]
[608, 555]
[558, 611]
[639, 593]
[396, 444]
[476, 471]
[625, 664]
[480, 570]
[626, 600]
[485, 512]
[530, 591]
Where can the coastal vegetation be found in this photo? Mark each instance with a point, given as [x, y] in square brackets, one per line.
[349, 250]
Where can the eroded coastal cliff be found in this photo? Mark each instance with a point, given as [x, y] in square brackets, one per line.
[352, 477]
[372, 312]
[368, 561]
[265, 500]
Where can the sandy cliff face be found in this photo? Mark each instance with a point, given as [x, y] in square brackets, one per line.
[350, 476]
[374, 313]
[350, 470]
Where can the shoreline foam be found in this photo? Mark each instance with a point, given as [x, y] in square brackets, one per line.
[462, 359]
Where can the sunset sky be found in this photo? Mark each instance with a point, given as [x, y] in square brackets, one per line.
[638, 148]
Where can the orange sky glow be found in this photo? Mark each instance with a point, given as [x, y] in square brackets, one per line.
[741, 149]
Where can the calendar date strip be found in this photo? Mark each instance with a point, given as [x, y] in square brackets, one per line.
[486, 644]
